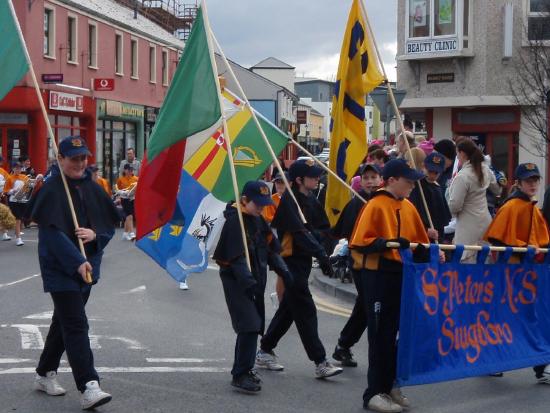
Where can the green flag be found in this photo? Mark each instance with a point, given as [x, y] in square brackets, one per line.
[192, 104]
[13, 63]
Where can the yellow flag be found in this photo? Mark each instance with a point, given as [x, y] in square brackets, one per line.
[358, 74]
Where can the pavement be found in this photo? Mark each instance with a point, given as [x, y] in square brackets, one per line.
[160, 349]
[334, 287]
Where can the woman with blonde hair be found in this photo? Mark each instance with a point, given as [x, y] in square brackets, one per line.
[417, 155]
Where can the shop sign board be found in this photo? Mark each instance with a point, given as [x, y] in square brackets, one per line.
[104, 84]
[66, 101]
[432, 46]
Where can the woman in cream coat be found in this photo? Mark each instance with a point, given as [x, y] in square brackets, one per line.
[468, 197]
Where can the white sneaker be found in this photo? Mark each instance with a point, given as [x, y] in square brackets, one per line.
[49, 384]
[383, 403]
[6, 237]
[183, 285]
[126, 236]
[398, 397]
[132, 236]
[19, 242]
[545, 377]
[93, 396]
[326, 369]
[21, 233]
[268, 361]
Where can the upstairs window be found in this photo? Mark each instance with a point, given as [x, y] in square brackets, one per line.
[71, 40]
[92, 45]
[118, 54]
[49, 33]
[134, 58]
[152, 64]
[538, 20]
[165, 68]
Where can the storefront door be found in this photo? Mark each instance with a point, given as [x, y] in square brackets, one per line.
[503, 149]
[14, 142]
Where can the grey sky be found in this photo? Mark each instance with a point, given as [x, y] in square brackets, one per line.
[304, 33]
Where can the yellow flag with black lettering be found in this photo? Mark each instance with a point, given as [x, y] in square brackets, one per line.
[358, 73]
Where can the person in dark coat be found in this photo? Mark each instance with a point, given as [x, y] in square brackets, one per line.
[447, 148]
[64, 268]
[243, 287]
[371, 179]
[300, 242]
[434, 164]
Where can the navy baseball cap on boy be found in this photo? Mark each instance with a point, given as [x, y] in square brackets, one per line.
[527, 170]
[370, 167]
[258, 192]
[73, 146]
[304, 167]
[435, 162]
[279, 177]
[399, 168]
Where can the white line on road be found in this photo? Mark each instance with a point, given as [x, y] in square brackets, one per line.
[136, 290]
[181, 360]
[46, 315]
[31, 337]
[24, 370]
[213, 267]
[12, 361]
[19, 281]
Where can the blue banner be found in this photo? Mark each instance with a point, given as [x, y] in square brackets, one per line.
[463, 320]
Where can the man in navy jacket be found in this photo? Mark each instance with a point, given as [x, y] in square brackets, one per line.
[64, 268]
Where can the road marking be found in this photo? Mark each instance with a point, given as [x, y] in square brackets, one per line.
[19, 281]
[46, 315]
[327, 307]
[12, 361]
[31, 337]
[181, 360]
[136, 290]
[130, 344]
[213, 267]
[26, 370]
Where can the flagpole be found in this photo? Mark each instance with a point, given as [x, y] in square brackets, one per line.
[226, 136]
[395, 109]
[452, 247]
[334, 174]
[50, 133]
[262, 133]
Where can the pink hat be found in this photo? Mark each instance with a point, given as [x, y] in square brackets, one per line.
[356, 183]
[427, 146]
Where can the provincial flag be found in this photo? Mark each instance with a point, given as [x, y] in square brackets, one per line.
[189, 115]
[358, 74]
[182, 246]
[13, 60]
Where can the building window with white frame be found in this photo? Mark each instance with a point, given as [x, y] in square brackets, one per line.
[118, 54]
[49, 33]
[437, 26]
[152, 64]
[92, 45]
[72, 39]
[538, 20]
[134, 72]
[165, 67]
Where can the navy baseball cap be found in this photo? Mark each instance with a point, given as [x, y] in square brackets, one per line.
[370, 167]
[304, 167]
[128, 167]
[73, 146]
[527, 170]
[435, 162]
[258, 192]
[399, 168]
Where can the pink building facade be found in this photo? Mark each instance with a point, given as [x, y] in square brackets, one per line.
[103, 73]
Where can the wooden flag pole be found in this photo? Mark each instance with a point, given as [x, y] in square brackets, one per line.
[322, 165]
[450, 247]
[226, 137]
[396, 109]
[260, 129]
[50, 134]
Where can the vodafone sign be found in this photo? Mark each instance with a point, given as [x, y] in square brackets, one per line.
[66, 101]
[104, 84]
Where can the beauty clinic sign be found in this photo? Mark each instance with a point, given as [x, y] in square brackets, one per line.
[66, 102]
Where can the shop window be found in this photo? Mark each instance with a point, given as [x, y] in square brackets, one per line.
[538, 20]
[165, 68]
[152, 64]
[134, 58]
[92, 45]
[437, 26]
[72, 43]
[49, 33]
[118, 54]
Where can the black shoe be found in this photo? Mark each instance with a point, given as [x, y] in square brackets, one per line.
[255, 377]
[246, 384]
[344, 356]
